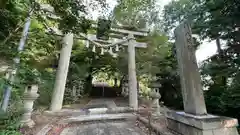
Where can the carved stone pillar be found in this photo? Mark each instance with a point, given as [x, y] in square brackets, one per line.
[30, 95]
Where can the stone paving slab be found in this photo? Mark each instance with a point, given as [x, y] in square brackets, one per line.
[101, 117]
[100, 103]
[104, 128]
[79, 112]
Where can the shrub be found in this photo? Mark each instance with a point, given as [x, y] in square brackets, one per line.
[10, 120]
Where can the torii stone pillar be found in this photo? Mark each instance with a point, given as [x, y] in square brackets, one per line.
[60, 82]
[194, 120]
[132, 83]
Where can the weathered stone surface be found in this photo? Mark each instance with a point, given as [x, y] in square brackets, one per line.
[120, 110]
[59, 86]
[106, 128]
[225, 131]
[187, 124]
[125, 90]
[98, 117]
[155, 95]
[101, 103]
[29, 96]
[158, 129]
[192, 92]
[97, 111]
[72, 112]
[132, 81]
[65, 112]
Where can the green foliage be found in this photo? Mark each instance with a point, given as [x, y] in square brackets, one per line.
[135, 14]
[2, 82]
[222, 97]
[29, 75]
[45, 88]
[211, 19]
[10, 121]
[72, 15]
[9, 132]
[223, 101]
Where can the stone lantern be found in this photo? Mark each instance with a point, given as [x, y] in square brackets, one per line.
[29, 96]
[155, 96]
[125, 91]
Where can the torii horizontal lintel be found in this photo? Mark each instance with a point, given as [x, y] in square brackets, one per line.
[93, 38]
[124, 31]
[107, 42]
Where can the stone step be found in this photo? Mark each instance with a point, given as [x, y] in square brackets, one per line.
[110, 110]
[74, 112]
[101, 117]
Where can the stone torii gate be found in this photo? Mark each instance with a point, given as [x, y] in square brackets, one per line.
[118, 36]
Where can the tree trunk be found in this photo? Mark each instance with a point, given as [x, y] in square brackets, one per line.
[221, 59]
[121, 81]
[115, 82]
[219, 49]
[88, 85]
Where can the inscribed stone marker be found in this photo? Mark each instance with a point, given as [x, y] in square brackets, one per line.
[192, 92]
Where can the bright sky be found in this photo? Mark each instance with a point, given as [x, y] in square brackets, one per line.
[206, 50]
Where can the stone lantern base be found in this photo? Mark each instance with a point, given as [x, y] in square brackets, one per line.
[30, 123]
[155, 103]
[156, 112]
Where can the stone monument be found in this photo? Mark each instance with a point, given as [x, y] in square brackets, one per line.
[194, 120]
[30, 95]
